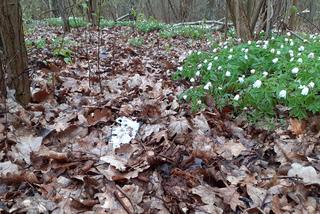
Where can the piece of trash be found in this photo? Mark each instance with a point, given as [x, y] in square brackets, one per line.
[124, 133]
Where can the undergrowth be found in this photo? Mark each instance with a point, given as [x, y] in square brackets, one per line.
[257, 77]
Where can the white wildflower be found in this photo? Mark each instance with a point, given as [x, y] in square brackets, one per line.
[237, 97]
[198, 73]
[275, 60]
[230, 57]
[219, 67]
[301, 48]
[215, 50]
[192, 80]
[199, 102]
[241, 80]
[180, 68]
[305, 91]
[272, 50]
[246, 57]
[205, 61]
[199, 52]
[286, 39]
[252, 71]
[257, 84]
[185, 97]
[228, 74]
[278, 52]
[209, 66]
[300, 60]
[283, 94]
[216, 58]
[288, 34]
[295, 70]
[207, 86]
[231, 50]
[281, 46]
[199, 66]
[249, 42]
[291, 60]
[265, 73]
[311, 85]
[311, 55]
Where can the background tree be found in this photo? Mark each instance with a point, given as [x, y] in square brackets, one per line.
[244, 15]
[92, 12]
[12, 45]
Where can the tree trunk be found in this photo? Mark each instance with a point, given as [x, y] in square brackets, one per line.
[63, 13]
[92, 12]
[293, 15]
[54, 8]
[14, 51]
[240, 19]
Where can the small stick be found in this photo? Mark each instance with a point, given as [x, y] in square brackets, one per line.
[282, 177]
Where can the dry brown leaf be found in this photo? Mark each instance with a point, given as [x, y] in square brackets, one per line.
[178, 126]
[258, 195]
[297, 126]
[230, 196]
[99, 115]
[230, 149]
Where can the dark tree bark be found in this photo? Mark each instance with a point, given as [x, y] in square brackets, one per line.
[61, 8]
[14, 63]
[245, 14]
[92, 12]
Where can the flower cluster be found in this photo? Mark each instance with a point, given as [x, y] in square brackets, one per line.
[258, 75]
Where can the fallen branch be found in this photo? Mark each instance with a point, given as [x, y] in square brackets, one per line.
[123, 17]
[209, 22]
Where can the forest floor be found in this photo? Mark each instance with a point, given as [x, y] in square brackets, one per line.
[112, 137]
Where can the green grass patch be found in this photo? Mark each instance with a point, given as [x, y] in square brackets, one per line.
[75, 22]
[257, 76]
[193, 32]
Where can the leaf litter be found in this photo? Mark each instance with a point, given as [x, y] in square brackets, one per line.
[113, 138]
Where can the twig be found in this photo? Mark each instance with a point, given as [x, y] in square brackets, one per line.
[283, 177]
[123, 17]
[116, 194]
[202, 22]
[296, 35]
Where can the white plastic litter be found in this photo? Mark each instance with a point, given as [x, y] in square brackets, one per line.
[124, 133]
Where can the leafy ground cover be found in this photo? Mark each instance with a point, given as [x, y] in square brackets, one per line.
[257, 76]
[115, 138]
